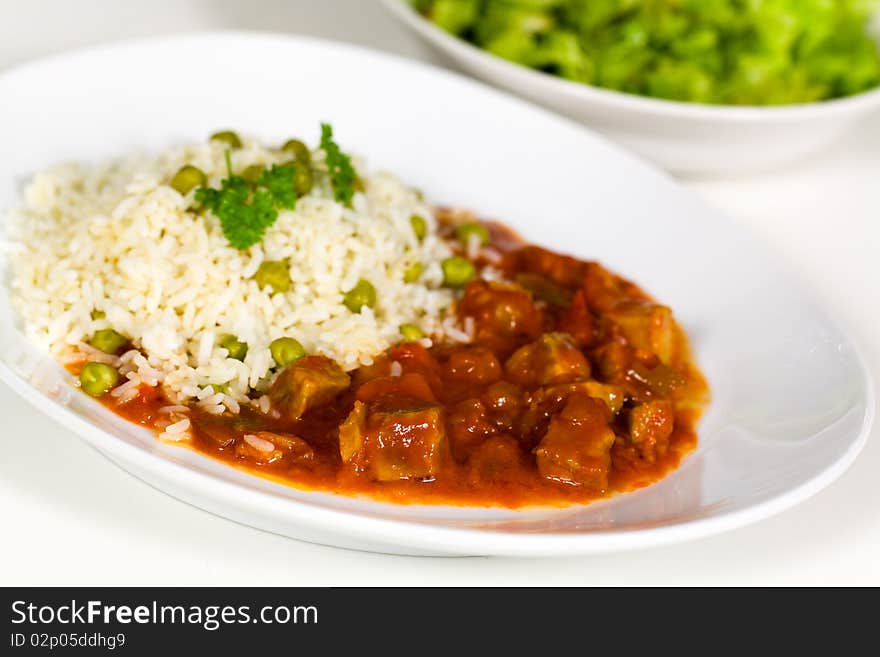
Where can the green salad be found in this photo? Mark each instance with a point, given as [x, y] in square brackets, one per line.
[734, 52]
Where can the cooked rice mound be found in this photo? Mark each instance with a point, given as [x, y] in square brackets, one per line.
[117, 239]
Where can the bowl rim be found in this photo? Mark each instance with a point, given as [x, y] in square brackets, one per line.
[626, 101]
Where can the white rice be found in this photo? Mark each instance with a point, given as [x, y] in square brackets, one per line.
[473, 247]
[174, 409]
[258, 443]
[178, 431]
[116, 238]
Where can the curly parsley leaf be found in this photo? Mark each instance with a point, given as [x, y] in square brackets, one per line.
[280, 182]
[246, 209]
[342, 173]
[244, 213]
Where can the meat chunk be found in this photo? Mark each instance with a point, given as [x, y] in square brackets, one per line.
[309, 382]
[504, 315]
[578, 321]
[474, 365]
[604, 290]
[294, 447]
[394, 438]
[544, 289]
[646, 326]
[613, 360]
[661, 379]
[494, 460]
[544, 403]
[412, 358]
[552, 358]
[562, 270]
[503, 401]
[411, 384]
[468, 425]
[351, 433]
[214, 428]
[576, 448]
[612, 395]
[650, 426]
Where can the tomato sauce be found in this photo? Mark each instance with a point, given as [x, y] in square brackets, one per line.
[575, 385]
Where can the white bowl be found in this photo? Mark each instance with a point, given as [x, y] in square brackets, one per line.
[791, 400]
[685, 138]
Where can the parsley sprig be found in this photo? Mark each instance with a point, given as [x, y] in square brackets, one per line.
[342, 173]
[244, 212]
[280, 182]
[247, 209]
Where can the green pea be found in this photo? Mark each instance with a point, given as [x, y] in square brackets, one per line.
[419, 226]
[362, 294]
[253, 172]
[97, 378]
[108, 341]
[236, 348]
[464, 231]
[98, 314]
[303, 180]
[219, 387]
[457, 271]
[412, 273]
[227, 137]
[187, 178]
[300, 151]
[286, 351]
[274, 274]
[411, 332]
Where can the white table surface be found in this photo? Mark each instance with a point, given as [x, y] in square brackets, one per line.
[71, 517]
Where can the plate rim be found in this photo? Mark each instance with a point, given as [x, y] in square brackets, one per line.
[470, 540]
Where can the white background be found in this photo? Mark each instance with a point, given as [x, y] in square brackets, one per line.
[71, 517]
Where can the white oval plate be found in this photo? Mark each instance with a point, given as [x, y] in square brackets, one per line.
[791, 404]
